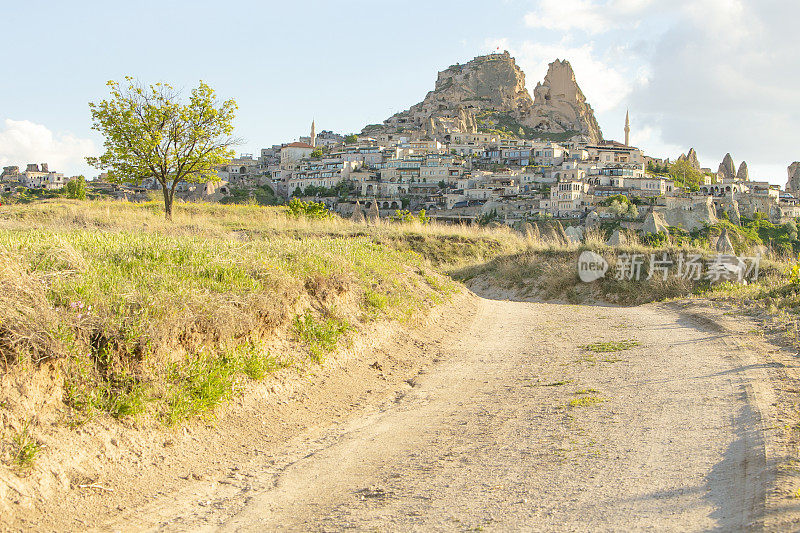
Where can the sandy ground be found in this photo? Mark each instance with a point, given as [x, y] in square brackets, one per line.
[471, 423]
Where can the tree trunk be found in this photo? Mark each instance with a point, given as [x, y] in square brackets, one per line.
[167, 203]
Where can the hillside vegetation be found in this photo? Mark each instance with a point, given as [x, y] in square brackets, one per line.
[147, 318]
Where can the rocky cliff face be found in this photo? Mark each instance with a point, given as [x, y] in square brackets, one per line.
[559, 104]
[691, 158]
[743, 174]
[489, 94]
[727, 169]
[793, 185]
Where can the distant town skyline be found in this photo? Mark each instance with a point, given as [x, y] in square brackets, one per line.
[717, 75]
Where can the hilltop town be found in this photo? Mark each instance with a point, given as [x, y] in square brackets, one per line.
[480, 149]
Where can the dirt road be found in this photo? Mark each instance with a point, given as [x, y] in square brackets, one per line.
[520, 427]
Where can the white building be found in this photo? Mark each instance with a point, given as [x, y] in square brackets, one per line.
[35, 177]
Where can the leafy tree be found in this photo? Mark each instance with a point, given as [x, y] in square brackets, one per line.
[617, 198]
[351, 139]
[76, 188]
[403, 215]
[261, 195]
[150, 132]
[791, 230]
[316, 153]
[622, 207]
[683, 174]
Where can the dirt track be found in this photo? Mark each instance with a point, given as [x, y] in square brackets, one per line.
[681, 434]
[488, 439]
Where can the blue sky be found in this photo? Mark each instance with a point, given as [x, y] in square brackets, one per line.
[719, 75]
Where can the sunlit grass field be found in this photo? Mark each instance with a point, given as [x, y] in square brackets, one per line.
[165, 319]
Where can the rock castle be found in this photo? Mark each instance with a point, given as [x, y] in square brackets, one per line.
[489, 94]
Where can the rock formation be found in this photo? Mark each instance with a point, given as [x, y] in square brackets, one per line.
[489, 93]
[743, 174]
[373, 215]
[693, 216]
[727, 169]
[545, 232]
[531, 232]
[592, 220]
[559, 104]
[793, 185]
[552, 232]
[654, 223]
[732, 208]
[617, 239]
[561, 235]
[11, 172]
[691, 157]
[358, 214]
[724, 245]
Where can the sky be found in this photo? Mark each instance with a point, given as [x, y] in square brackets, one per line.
[717, 75]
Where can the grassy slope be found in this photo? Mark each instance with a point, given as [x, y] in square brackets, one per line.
[145, 317]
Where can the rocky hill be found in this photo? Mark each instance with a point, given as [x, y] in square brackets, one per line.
[488, 94]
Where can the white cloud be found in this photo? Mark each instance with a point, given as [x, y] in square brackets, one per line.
[724, 77]
[23, 142]
[590, 16]
[648, 138]
[564, 15]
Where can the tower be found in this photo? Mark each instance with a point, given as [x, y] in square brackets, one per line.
[313, 134]
[627, 128]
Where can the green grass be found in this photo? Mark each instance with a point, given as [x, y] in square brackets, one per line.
[257, 364]
[585, 401]
[199, 385]
[375, 300]
[202, 382]
[611, 346]
[25, 448]
[559, 383]
[320, 335]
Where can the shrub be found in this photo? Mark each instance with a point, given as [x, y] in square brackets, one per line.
[404, 215]
[76, 189]
[655, 240]
[314, 210]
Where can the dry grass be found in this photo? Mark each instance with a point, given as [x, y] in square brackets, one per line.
[548, 271]
[444, 245]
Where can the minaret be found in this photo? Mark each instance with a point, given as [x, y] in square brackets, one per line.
[313, 134]
[627, 128]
